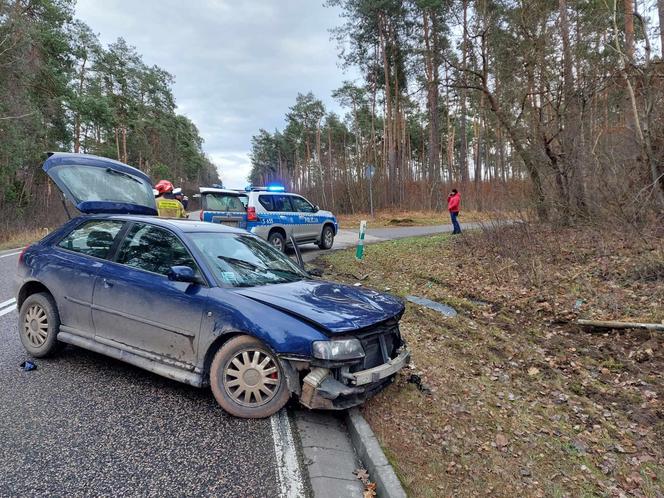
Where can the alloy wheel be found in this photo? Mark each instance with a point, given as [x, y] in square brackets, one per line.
[35, 325]
[251, 378]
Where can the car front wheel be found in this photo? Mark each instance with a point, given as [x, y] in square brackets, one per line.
[39, 324]
[247, 379]
[326, 238]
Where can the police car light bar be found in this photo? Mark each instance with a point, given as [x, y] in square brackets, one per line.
[269, 188]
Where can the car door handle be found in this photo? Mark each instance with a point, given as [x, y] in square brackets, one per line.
[107, 283]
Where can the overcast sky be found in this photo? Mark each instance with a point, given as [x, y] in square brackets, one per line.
[238, 64]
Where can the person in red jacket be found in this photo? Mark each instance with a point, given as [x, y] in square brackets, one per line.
[453, 204]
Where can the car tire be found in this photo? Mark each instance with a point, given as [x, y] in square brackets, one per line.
[326, 238]
[247, 379]
[39, 324]
[277, 240]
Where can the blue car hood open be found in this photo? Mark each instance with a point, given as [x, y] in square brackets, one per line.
[101, 185]
[334, 307]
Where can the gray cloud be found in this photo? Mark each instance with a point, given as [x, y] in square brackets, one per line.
[238, 65]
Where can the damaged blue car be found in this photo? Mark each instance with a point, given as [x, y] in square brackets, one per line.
[200, 303]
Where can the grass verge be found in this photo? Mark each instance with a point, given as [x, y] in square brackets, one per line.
[397, 218]
[517, 400]
[23, 239]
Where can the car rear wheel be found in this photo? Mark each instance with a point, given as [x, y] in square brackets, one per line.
[277, 240]
[39, 324]
[247, 379]
[326, 238]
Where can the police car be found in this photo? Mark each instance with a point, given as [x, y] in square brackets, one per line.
[271, 213]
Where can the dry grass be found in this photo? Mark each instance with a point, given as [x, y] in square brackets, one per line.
[521, 402]
[393, 218]
[23, 239]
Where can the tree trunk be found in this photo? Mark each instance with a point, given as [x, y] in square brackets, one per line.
[117, 143]
[660, 11]
[124, 145]
[570, 120]
[77, 119]
[431, 72]
[463, 153]
[629, 30]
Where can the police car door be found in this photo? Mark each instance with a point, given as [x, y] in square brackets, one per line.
[287, 215]
[309, 226]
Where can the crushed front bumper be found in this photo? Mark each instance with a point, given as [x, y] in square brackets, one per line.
[320, 388]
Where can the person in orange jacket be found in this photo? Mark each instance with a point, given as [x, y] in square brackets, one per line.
[453, 205]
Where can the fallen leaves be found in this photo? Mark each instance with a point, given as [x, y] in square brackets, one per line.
[520, 400]
[369, 487]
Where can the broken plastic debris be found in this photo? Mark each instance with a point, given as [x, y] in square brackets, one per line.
[27, 365]
[440, 307]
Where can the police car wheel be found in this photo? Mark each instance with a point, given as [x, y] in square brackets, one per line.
[277, 240]
[326, 238]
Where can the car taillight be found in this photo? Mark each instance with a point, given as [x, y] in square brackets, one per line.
[251, 214]
[22, 255]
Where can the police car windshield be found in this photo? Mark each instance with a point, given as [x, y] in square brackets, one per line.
[245, 261]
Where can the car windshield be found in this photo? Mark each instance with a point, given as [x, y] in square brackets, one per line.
[224, 202]
[244, 260]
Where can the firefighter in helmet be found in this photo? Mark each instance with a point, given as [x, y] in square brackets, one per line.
[167, 205]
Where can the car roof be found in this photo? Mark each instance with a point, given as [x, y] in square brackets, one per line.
[214, 190]
[181, 224]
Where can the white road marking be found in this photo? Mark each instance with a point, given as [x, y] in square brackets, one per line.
[10, 254]
[7, 303]
[7, 310]
[288, 467]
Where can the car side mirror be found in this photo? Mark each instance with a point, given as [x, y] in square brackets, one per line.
[182, 274]
[316, 208]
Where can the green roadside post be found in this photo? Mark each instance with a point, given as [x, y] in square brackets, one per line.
[359, 253]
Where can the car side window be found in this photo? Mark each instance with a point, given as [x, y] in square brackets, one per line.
[93, 238]
[301, 205]
[154, 249]
[275, 202]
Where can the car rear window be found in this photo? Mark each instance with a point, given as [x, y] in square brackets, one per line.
[275, 202]
[94, 238]
[223, 202]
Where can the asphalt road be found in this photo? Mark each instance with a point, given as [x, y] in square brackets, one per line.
[85, 424]
[348, 238]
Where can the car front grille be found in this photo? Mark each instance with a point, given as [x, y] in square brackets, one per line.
[380, 345]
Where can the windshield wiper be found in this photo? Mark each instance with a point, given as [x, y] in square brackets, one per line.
[120, 173]
[243, 263]
[287, 272]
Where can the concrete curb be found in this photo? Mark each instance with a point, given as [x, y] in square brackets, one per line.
[369, 450]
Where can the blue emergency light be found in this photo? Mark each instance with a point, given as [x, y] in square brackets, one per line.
[269, 188]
